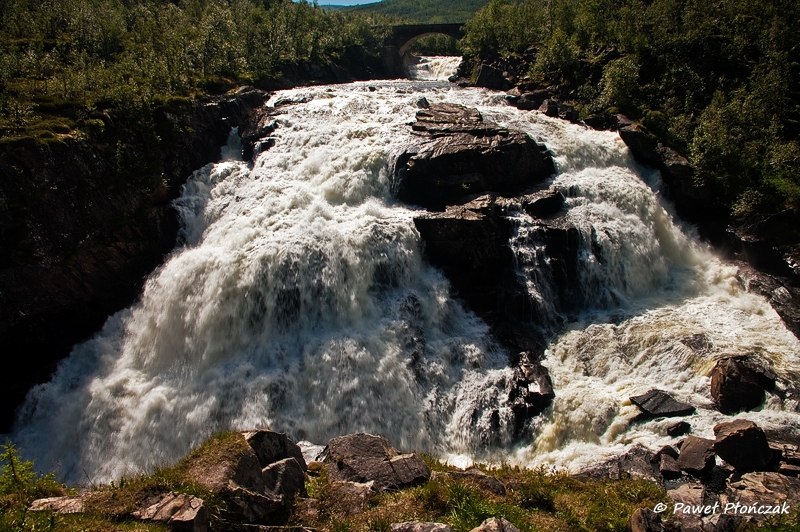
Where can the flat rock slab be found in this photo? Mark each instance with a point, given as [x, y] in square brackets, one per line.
[697, 455]
[181, 512]
[60, 505]
[659, 403]
[688, 495]
[458, 155]
[645, 520]
[366, 458]
[743, 445]
[764, 489]
[420, 526]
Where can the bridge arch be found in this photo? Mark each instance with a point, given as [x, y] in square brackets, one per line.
[402, 37]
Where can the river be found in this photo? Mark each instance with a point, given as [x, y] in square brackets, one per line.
[299, 284]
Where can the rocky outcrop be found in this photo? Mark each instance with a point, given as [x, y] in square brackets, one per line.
[496, 524]
[743, 445]
[364, 458]
[659, 403]
[459, 155]
[697, 455]
[256, 473]
[739, 383]
[84, 220]
[181, 512]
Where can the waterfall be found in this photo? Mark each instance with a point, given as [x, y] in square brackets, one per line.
[434, 68]
[299, 299]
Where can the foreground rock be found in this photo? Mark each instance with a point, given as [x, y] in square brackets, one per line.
[255, 472]
[739, 383]
[181, 512]
[659, 403]
[459, 155]
[366, 458]
[495, 524]
[697, 455]
[420, 526]
[743, 445]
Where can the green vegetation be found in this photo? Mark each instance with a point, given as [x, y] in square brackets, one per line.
[536, 500]
[718, 80]
[60, 60]
[423, 11]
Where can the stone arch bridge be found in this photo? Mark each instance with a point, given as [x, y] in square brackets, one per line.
[402, 37]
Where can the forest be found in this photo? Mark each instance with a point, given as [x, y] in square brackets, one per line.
[423, 11]
[62, 59]
[715, 79]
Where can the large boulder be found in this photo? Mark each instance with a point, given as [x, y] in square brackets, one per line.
[697, 455]
[739, 383]
[661, 404]
[496, 524]
[743, 445]
[285, 477]
[458, 155]
[366, 458]
[271, 447]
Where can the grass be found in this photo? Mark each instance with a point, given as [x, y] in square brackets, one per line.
[536, 500]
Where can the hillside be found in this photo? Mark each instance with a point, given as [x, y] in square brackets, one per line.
[424, 11]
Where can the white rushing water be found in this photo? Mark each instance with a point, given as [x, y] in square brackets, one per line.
[434, 68]
[299, 300]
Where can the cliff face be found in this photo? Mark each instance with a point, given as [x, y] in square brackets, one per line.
[84, 220]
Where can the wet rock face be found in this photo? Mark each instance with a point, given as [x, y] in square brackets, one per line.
[739, 384]
[697, 455]
[659, 403]
[459, 155]
[83, 222]
[743, 445]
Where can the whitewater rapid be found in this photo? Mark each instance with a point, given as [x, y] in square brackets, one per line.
[299, 299]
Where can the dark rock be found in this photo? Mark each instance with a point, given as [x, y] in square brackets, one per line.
[543, 204]
[285, 477]
[641, 143]
[549, 108]
[271, 447]
[366, 458]
[531, 101]
[491, 78]
[679, 429]
[790, 470]
[420, 526]
[743, 445]
[667, 450]
[782, 294]
[645, 520]
[669, 467]
[531, 394]
[601, 122]
[738, 384]
[567, 112]
[64, 265]
[181, 512]
[494, 524]
[423, 103]
[246, 506]
[659, 403]
[697, 455]
[459, 156]
[484, 481]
